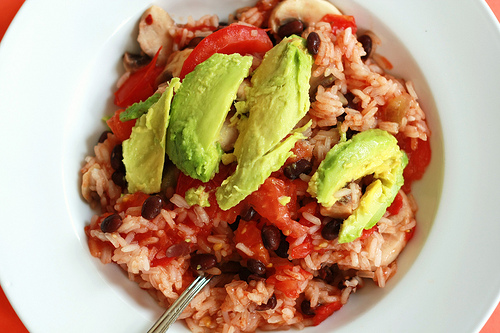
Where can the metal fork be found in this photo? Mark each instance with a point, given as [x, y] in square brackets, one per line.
[174, 311]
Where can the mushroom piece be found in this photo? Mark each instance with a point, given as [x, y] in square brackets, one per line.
[228, 135]
[392, 246]
[307, 11]
[154, 33]
[344, 206]
[132, 62]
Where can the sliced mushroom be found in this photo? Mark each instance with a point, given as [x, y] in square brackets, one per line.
[133, 62]
[154, 33]
[307, 11]
[392, 247]
[345, 206]
[228, 135]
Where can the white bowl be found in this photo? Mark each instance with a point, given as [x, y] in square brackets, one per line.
[59, 63]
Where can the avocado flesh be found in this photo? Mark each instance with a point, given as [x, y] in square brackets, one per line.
[370, 152]
[199, 109]
[144, 151]
[276, 100]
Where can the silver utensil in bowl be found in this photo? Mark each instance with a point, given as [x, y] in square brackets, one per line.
[174, 311]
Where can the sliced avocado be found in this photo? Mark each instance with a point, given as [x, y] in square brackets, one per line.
[199, 109]
[144, 151]
[249, 175]
[370, 152]
[197, 196]
[277, 99]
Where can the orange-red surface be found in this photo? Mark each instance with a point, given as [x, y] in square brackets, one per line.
[9, 322]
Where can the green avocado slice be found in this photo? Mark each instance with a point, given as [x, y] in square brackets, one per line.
[276, 100]
[240, 184]
[199, 109]
[370, 152]
[144, 151]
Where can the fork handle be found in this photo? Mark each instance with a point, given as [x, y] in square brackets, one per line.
[174, 311]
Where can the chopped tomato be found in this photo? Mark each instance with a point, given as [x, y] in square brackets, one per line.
[289, 280]
[325, 311]
[185, 182]
[396, 205]
[249, 234]
[235, 38]
[131, 200]
[270, 201]
[140, 84]
[410, 233]
[368, 232]
[301, 150]
[340, 22]
[418, 159]
[311, 208]
[302, 250]
[121, 129]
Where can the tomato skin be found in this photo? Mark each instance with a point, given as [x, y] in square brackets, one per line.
[418, 160]
[249, 234]
[266, 202]
[140, 85]
[131, 200]
[340, 22]
[410, 233]
[287, 284]
[325, 311]
[301, 251]
[121, 129]
[396, 205]
[368, 232]
[235, 38]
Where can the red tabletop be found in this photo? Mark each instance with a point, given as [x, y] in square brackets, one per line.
[9, 322]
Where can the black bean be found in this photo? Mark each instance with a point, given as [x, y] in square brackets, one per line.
[103, 136]
[116, 158]
[282, 250]
[203, 261]
[271, 304]
[331, 229]
[295, 169]
[329, 273]
[256, 277]
[306, 309]
[350, 101]
[244, 274]
[194, 42]
[341, 285]
[235, 224]
[230, 267]
[256, 267]
[111, 223]
[151, 207]
[118, 177]
[221, 25]
[367, 43]
[350, 133]
[248, 214]
[178, 250]
[294, 27]
[313, 43]
[271, 237]
[272, 37]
